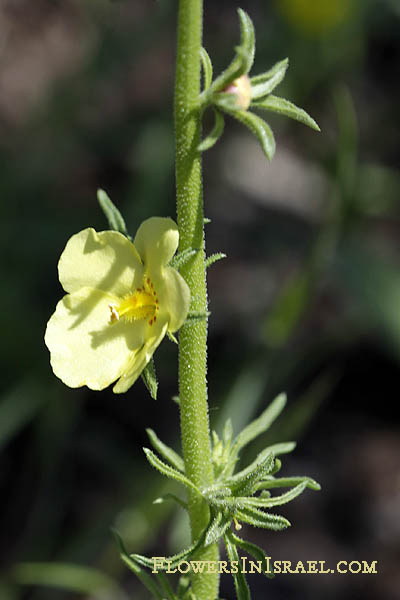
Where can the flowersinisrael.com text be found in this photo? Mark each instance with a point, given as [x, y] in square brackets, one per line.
[245, 565]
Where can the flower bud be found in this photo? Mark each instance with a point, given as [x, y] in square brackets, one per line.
[241, 88]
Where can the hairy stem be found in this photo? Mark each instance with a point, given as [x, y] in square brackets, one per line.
[193, 336]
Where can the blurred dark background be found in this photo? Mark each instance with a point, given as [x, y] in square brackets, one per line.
[308, 300]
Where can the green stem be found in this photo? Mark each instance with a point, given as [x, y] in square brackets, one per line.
[193, 336]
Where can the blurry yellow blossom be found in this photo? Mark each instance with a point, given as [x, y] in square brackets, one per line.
[121, 300]
[315, 17]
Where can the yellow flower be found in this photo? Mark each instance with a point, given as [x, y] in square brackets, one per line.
[316, 17]
[121, 300]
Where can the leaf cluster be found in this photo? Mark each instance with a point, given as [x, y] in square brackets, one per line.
[236, 497]
[217, 94]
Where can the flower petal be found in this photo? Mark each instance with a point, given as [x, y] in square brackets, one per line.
[85, 348]
[107, 261]
[156, 241]
[174, 295]
[139, 360]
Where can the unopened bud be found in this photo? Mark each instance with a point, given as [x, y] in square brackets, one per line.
[241, 88]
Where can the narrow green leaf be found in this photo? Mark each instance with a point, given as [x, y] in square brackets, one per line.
[241, 587]
[271, 482]
[282, 448]
[74, 578]
[260, 425]
[277, 466]
[112, 214]
[169, 471]
[247, 46]
[182, 258]
[149, 377]
[286, 108]
[217, 528]
[207, 67]
[214, 135]
[259, 128]
[254, 551]
[210, 260]
[258, 518]
[166, 452]
[243, 482]
[227, 432]
[166, 586]
[146, 579]
[278, 500]
[263, 84]
[170, 561]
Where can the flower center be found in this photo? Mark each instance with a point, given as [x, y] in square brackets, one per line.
[142, 304]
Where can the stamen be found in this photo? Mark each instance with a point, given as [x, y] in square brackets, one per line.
[142, 304]
[114, 313]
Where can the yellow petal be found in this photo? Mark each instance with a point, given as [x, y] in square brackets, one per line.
[85, 348]
[156, 241]
[107, 261]
[139, 360]
[174, 296]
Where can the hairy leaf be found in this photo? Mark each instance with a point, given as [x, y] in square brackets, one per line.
[214, 135]
[112, 214]
[241, 587]
[263, 84]
[260, 425]
[182, 258]
[258, 518]
[286, 108]
[259, 128]
[166, 452]
[207, 67]
[169, 471]
[254, 551]
[149, 377]
[146, 579]
[210, 260]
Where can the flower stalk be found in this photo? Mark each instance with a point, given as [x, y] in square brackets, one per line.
[193, 336]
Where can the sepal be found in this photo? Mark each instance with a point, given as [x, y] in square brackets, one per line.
[216, 132]
[243, 59]
[264, 84]
[207, 67]
[149, 377]
[259, 128]
[114, 218]
[286, 108]
[182, 258]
